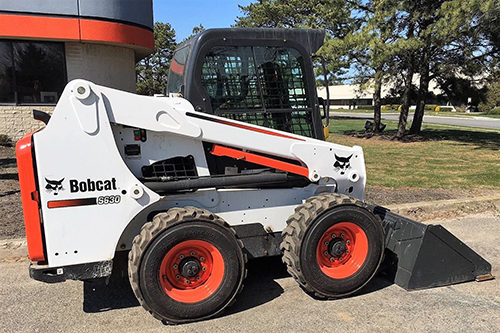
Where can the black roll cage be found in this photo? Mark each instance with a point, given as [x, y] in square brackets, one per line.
[305, 41]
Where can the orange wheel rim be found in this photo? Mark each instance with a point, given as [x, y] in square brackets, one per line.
[342, 250]
[191, 271]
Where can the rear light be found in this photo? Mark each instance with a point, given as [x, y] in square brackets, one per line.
[29, 197]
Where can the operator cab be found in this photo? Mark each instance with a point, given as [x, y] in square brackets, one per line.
[256, 75]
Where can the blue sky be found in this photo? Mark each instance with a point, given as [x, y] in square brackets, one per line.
[185, 14]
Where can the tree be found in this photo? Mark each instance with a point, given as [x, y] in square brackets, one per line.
[196, 30]
[334, 16]
[458, 40]
[393, 40]
[382, 49]
[152, 71]
[359, 35]
[492, 99]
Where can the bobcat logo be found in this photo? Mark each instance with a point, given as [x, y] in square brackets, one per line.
[342, 164]
[54, 186]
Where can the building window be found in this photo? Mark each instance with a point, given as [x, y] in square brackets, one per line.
[31, 72]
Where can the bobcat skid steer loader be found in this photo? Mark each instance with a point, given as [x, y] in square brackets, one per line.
[193, 186]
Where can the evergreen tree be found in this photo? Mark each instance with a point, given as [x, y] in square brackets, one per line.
[152, 71]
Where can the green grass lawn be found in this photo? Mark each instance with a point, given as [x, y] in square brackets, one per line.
[361, 110]
[461, 114]
[427, 113]
[453, 157]
[491, 115]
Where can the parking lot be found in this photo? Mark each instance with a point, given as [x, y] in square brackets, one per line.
[271, 300]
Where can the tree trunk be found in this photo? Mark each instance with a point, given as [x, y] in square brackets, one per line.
[377, 100]
[405, 107]
[418, 117]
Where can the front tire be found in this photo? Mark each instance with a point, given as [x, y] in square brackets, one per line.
[333, 245]
[186, 265]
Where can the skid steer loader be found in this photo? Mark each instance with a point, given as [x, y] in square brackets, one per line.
[231, 166]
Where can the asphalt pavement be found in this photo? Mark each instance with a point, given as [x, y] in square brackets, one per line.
[270, 301]
[481, 122]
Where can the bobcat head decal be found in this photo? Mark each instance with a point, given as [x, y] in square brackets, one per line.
[54, 186]
[342, 164]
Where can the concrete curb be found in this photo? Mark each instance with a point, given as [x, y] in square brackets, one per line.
[13, 250]
[443, 206]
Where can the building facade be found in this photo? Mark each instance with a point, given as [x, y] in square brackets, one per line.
[354, 96]
[45, 44]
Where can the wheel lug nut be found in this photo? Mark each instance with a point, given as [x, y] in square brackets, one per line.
[177, 276]
[326, 243]
[332, 259]
[325, 253]
[192, 253]
[181, 256]
[348, 242]
[197, 278]
[187, 281]
[202, 258]
[204, 268]
[341, 235]
[333, 236]
[346, 251]
[164, 276]
[175, 266]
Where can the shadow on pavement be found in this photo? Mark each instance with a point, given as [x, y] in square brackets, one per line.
[101, 295]
[260, 287]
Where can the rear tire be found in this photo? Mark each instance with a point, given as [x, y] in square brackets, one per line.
[333, 245]
[186, 265]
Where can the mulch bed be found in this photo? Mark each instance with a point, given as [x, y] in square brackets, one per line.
[388, 136]
[11, 215]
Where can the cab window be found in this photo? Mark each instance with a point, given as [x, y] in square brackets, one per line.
[175, 82]
[261, 85]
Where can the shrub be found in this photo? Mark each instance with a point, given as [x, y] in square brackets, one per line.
[495, 110]
[391, 107]
[492, 100]
[444, 109]
[430, 107]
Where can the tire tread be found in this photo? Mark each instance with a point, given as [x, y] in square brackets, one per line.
[160, 222]
[298, 223]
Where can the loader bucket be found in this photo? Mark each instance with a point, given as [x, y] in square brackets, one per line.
[426, 256]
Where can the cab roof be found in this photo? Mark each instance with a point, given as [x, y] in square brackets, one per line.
[310, 39]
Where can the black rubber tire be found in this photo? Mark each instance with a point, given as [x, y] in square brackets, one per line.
[304, 230]
[164, 232]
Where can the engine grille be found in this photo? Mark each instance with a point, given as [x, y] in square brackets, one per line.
[175, 167]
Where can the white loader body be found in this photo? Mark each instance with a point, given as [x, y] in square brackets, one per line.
[101, 204]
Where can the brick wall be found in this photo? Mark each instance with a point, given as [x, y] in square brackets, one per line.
[15, 121]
